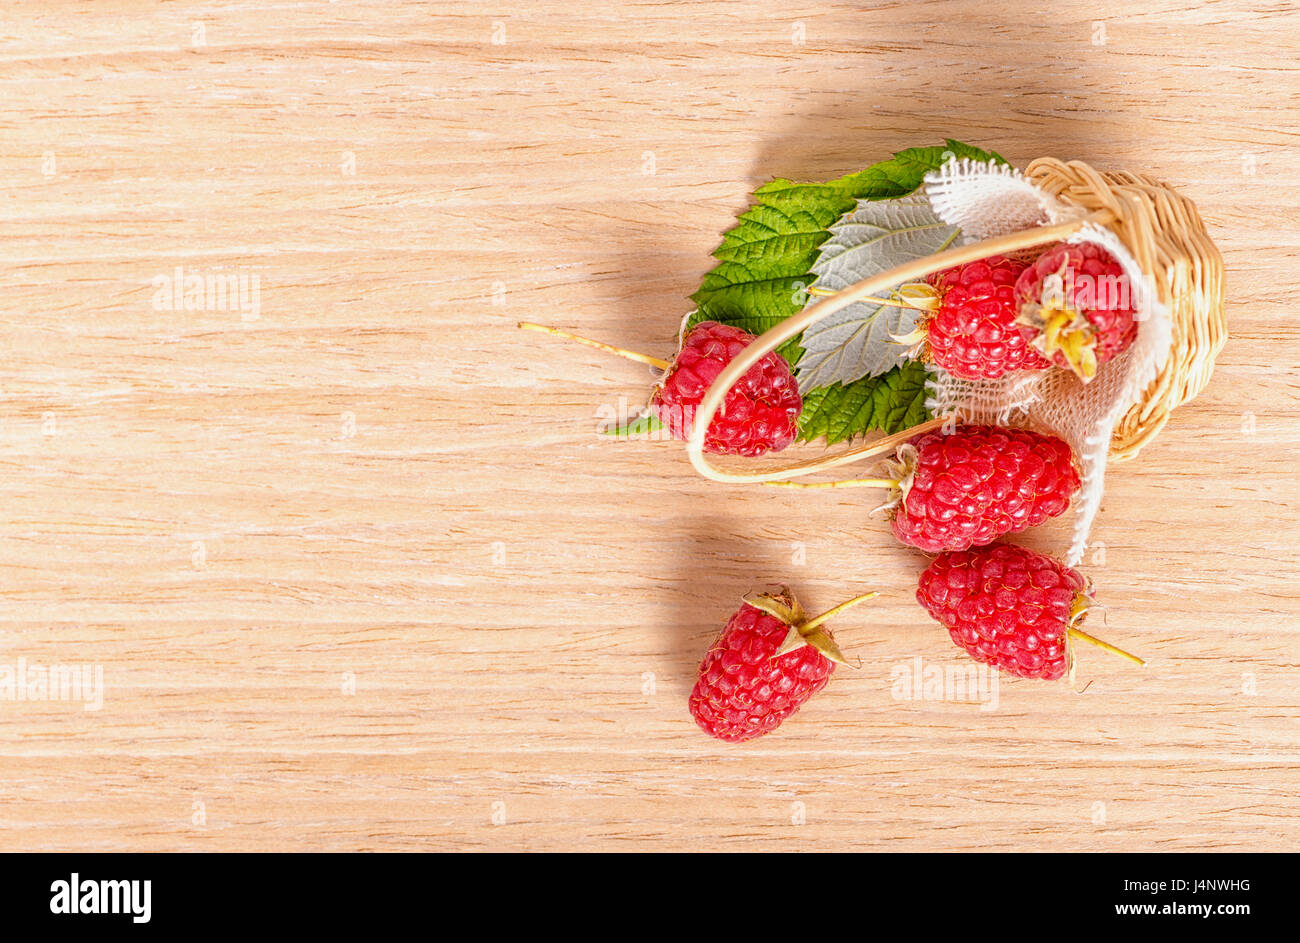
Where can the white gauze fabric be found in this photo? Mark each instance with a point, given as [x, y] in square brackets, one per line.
[988, 200]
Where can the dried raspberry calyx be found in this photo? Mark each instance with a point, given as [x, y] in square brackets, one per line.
[1075, 307]
[803, 631]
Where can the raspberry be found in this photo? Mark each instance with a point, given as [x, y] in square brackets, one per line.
[973, 334]
[1075, 307]
[973, 485]
[768, 661]
[761, 411]
[1007, 606]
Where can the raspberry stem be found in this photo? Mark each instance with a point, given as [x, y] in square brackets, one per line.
[804, 631]
[832, 613]
[599, 345]
[890, 302]
[1092, 640]
[848, 483]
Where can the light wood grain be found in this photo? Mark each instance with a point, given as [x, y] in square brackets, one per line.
[379, 479]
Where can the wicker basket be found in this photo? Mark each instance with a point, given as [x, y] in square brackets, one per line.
[1167, 238]
[1159, 227]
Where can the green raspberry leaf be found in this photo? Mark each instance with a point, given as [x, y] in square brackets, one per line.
[858, 341]
[765, 263]
[890, 402]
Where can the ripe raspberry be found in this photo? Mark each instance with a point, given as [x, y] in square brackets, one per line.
[761, 411]
[1009, 607]
[973, 334]
[1075, 307]
[977, 483]
[767, 662]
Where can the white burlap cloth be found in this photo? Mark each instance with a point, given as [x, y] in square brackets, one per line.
[992, 200]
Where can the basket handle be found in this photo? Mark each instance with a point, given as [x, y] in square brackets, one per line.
[777, 335]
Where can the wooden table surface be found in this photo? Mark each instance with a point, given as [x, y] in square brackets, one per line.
[354, 565]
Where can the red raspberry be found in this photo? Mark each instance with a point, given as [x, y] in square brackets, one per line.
[761, 411]
[1076, 307]
[973, 334]
[1009, 607]
[971, 486]
[767, 662]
